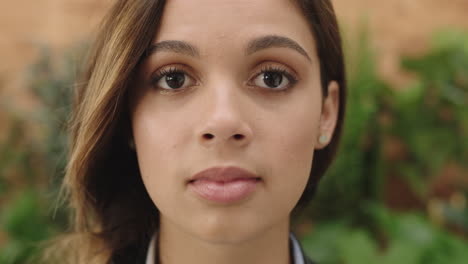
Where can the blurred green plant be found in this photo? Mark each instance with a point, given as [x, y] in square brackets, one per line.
[430, 120]
[409, 239]
[32, 161]
[27, 224]
[431, 116]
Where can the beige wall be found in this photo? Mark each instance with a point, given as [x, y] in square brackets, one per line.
[26, 25]
[402, 27]
[398, 27]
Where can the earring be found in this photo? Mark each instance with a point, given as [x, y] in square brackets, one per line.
[323, 139]
[131, 144]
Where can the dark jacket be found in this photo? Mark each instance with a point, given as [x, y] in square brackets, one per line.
[137, 254]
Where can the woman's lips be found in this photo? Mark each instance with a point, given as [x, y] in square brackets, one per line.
[224, 184]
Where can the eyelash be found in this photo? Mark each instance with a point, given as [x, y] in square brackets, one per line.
[269, 68]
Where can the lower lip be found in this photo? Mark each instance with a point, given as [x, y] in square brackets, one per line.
[224, 192]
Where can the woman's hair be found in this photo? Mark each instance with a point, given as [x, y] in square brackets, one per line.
[112, 211]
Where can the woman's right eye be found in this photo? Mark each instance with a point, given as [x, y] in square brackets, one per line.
[172, 80]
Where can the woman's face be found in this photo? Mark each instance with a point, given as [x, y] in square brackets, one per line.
[238, 97]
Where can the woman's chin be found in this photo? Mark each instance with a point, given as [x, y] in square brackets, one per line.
[227, 234]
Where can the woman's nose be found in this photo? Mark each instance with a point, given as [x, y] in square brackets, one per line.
[226, 120]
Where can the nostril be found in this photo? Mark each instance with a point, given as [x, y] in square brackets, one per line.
[238, 136]
[211, 136]
[208, 136]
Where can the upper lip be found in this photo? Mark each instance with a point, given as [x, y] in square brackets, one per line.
[223, 174]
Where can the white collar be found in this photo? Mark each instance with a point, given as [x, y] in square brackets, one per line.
[297, 251]
[150, 256]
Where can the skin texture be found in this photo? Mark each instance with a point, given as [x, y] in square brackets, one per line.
[223, 96]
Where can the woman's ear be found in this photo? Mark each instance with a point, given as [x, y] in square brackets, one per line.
[329, 115]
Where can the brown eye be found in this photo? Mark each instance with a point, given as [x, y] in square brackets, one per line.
[273, 78]
[172, 79]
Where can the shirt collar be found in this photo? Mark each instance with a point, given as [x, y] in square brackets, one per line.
[151, 256]
[297, 253]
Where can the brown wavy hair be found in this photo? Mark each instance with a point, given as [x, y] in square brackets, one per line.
[112, 211]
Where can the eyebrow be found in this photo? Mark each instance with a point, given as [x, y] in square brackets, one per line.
[254, 45]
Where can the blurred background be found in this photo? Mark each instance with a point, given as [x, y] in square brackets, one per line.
[397, 192]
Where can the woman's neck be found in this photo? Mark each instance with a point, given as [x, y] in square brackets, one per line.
[270, 247]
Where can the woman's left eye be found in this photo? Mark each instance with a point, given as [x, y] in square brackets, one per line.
[274, 79]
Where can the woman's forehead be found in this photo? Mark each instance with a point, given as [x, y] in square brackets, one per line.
[221, 22]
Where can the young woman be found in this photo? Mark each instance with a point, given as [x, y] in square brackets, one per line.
[200, 126]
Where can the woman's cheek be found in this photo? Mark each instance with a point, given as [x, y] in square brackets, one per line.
[291, 149]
